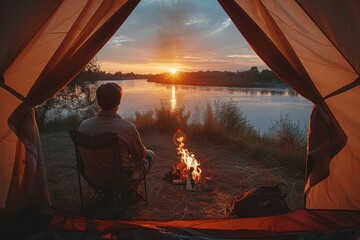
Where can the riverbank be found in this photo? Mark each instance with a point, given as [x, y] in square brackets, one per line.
[245, 79]
[232, 171]
[251, 78]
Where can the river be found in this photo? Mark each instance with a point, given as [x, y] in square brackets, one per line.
[262, 106]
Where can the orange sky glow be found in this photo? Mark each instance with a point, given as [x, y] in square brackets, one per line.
[188, 35]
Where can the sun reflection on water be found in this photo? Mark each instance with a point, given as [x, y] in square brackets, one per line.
[173, 98]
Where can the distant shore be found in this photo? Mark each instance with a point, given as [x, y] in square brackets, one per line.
[250, 78]
[209, 82]
[220, 83]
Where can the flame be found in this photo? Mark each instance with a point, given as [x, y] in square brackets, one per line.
[187, 157]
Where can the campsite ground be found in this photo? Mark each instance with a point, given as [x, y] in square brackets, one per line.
[231, 170]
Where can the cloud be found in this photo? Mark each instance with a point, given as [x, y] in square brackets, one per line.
[223, 26]
[194, 33]
[243, 56]
[159, 2]
[200, 59]
[118, 40]
[192, 20]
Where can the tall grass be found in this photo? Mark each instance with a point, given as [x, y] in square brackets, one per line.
[164, 120]
[169, 120]
[283, 144]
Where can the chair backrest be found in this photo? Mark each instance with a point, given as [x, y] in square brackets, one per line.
[97, 157]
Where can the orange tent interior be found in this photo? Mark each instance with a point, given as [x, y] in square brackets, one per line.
[310, 45]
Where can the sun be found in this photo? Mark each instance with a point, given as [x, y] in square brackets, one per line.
[173, 70]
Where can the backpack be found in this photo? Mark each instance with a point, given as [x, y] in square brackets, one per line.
[261, 201]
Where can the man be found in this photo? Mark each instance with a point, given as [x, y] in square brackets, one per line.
[135, 159]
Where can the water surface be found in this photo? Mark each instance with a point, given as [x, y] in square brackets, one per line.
[262, 106]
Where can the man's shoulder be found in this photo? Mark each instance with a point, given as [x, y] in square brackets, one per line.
[115, 124]
[119, 121]
[126, 124]
[86, 122]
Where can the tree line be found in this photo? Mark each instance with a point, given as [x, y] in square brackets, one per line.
[248, 78]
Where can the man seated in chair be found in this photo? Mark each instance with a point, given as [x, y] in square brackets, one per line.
[135, 159]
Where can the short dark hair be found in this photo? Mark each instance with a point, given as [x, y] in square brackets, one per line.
[108, 95]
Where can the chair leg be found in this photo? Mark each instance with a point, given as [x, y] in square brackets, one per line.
[81, 195]
[145, 188]
[117, 204]
[94, 198]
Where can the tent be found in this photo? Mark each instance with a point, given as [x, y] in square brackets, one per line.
[311, 45]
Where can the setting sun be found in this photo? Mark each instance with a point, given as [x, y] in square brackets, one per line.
[173, 70]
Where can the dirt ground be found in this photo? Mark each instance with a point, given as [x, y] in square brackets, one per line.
[232, 173]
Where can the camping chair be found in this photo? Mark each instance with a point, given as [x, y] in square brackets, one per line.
[91, 148]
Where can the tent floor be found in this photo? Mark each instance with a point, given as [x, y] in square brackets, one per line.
[301, 224]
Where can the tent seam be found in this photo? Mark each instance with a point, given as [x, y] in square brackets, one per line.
[347, 60]
[9, 89]
[343, 89]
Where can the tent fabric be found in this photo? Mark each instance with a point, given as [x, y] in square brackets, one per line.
[191, 234]
[311, 45]
[14, 39]
[340, 22]
[55, 49]
[298, 46]
[298, 221]
[277, 52]
[310, 224]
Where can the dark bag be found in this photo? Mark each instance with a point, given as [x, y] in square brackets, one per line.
[261, 201]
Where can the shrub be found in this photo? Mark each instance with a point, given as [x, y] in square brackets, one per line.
[211, 127]
[287, 143]
[230, 117]
[168, 121]
[287, 133]
[73, 100]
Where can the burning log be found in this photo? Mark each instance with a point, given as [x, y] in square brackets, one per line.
[179, 181]
[190, 182]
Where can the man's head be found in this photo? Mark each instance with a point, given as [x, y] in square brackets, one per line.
[108, 96]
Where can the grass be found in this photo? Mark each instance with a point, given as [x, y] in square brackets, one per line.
[61, 124]
[283, 144]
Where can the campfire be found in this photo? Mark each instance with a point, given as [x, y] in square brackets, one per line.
[186, 171]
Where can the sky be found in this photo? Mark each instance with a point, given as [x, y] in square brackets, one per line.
[186, 35]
